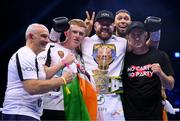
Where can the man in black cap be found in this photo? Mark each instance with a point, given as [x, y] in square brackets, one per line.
[146, 70]
[103, 55]
[104, 24]
[123, 19]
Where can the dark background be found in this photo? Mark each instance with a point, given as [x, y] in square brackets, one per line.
[16, 15]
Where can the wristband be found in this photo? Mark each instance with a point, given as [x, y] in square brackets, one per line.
[65, 82]
[65, 64]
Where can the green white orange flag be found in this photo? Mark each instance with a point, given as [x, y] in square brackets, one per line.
[81, 103]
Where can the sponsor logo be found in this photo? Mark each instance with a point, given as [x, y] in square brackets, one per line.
[41, 58]
[28, 69]
[100, 99]
[105, 14]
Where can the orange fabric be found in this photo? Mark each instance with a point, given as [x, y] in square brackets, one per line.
[165, 118]
[89, 95]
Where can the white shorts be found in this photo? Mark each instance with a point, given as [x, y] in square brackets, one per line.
[110, 108]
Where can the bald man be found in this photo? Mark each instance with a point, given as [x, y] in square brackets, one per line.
[26, 84]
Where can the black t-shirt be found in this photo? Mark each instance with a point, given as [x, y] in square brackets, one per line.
[142, 89]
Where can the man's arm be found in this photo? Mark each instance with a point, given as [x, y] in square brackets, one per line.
[151, 43]
[154, 39]
[52, 70]
[59, 25]
[153, 26]
[167, 81]
[34, 86]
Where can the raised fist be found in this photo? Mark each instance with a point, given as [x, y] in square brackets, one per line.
[152, 23]
[60, 24]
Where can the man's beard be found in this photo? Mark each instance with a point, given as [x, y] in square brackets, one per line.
[99, 34]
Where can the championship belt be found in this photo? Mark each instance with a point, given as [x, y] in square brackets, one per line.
[115, 84]
[106, 84]
[104, 55]
[102, 81]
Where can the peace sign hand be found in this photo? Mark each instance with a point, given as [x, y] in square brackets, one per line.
[89, 22]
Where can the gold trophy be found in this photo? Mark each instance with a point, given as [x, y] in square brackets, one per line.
[103, 57]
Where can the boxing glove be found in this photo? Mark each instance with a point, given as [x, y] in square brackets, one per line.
[152, 23]
[60, 24]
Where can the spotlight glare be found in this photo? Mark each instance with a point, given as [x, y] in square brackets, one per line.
[177, 54]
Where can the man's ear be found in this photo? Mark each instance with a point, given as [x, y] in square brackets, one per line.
[30, 36]
[95, 26]
[113, 24]
[66, 33]
[147, 35]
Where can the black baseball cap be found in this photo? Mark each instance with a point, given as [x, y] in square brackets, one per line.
[136, 24]
[104, 14]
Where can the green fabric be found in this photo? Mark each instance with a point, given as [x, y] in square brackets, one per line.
[74, 104]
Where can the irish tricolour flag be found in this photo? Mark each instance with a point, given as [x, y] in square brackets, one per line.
[81, 103]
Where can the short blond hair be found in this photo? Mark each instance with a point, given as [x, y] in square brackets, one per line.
[78, 22]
